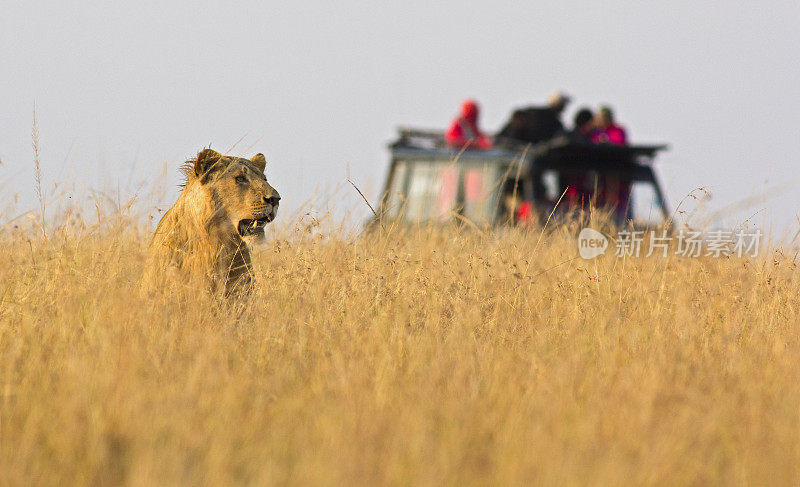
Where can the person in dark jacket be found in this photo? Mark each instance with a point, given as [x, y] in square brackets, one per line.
[536, 124]
[578, 187]
[532, 125]
[583, 123]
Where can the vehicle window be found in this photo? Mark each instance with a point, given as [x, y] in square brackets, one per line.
[481, 190]
[431, 191]
[448, 193]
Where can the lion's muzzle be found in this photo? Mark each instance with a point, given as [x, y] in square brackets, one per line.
[249, 226]
[263, 213]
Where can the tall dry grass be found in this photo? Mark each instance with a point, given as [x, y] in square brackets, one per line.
[423, 357]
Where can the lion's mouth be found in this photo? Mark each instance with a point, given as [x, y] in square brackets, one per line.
[253, 226]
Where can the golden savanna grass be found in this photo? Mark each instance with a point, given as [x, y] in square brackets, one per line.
[423, 357]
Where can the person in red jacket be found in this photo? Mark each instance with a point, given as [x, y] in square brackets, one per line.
[464, 131]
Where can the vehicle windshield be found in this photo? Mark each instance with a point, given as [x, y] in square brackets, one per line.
[425, 190]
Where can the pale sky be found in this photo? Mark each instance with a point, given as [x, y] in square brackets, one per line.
[122, 88]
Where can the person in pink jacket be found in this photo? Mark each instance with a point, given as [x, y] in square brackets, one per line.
[607, 131]
[615, 192]
[464, 131]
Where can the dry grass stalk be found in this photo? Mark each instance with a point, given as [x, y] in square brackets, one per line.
[38, 172]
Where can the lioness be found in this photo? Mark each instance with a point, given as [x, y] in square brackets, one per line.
[224, 199]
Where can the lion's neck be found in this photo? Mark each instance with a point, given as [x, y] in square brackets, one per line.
[197, 206]
[197, 221]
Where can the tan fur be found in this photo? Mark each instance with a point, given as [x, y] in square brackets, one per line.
[199, 237]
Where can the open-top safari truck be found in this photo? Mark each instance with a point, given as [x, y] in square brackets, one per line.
[430, 182]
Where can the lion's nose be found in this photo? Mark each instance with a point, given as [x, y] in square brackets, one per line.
[272, 200]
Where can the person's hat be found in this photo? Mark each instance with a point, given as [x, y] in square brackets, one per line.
[558, 99]
[469, 109]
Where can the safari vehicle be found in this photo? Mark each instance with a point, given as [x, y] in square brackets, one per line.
[429, 181]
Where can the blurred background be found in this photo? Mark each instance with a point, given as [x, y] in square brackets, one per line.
[124, 92]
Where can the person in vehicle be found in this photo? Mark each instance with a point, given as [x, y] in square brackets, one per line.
[615, 191]
[606, 130]
[536, 124]
[583, 123]
[464, 132]
[577, 186]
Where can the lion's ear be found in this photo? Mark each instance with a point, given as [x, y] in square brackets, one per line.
[259, 161]
[206, 158]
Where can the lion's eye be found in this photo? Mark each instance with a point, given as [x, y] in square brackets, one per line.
[241, 179]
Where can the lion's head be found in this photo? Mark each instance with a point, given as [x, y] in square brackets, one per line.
[225, 203]
[238, 189]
